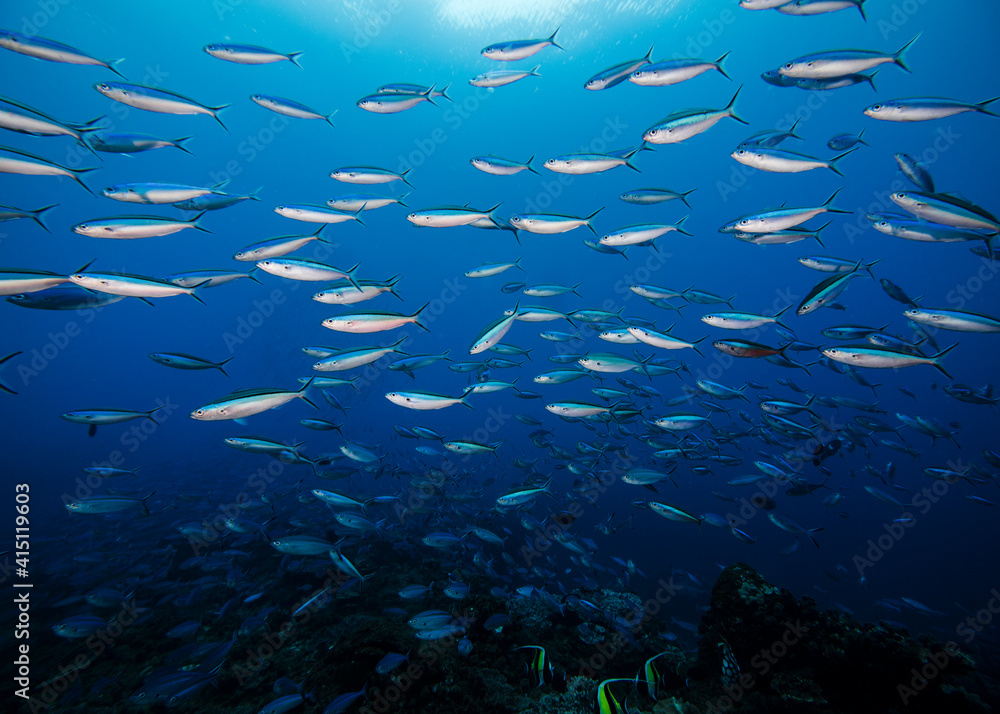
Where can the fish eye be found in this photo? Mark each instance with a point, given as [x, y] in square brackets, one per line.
[102, 85]
[877, 107]
[788, 65]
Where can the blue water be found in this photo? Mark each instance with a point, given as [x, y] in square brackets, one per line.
[98, 359]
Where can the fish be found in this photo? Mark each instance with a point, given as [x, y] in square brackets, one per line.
[827, 65]
[550, 223]
[496, 166]
[580, 164]
[154, 193]
[652, 196]
[912, 169]
[156, 100]
[22, 163]
[310, 213]
[289, 108]
[40, 48]
[393, 103]
[179, 360]
[786, 162]
[684, 124]
[363, 323]
[819, 7]
[787, 524]
[956, 320]
[248, 402]
[368, 175]
[8, 213]
[947, 210]
[613, 76]
[358, 357]
[827, 290]
[250, 54]
[133, 143]
[305, 270]
[133, 227]
[883, 358]
[925, 109]
[666, 73]
[130, 285]
[846, 141]
[424, 401]
[503, 77]
[99, 505]
[780, 219]
[643, 234]
[448, 217]
[276, 247]
[519, 49]
[354, 202]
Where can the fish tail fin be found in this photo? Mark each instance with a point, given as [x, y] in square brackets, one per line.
[819, 230]
[552, 39]
[215, 115]
[590, 217]
[194, 222]
[37, 214]
[777, 317]
[649, 55]
[79, 180]
[832, 163]
[680, 226]
[416, 318]
[534, 71]
[868, 268]
[253, 194]
[827, 202]
[444, 93]
[401, 197]
[403, 177]
[223, 362]
[936, 360]
[981, 107]
[791, 132]
[113, 66]
[429, 95]
[252, 274]
[465, 403]
[860, 139]
[722, 71]
[898, 57]
[86, 144]
[328, 118]
[182, 144]
[349, 274]
[685, 195]
[293, 57]
[530, 167]
[871, 80]
[861, 9]
[731, 108]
